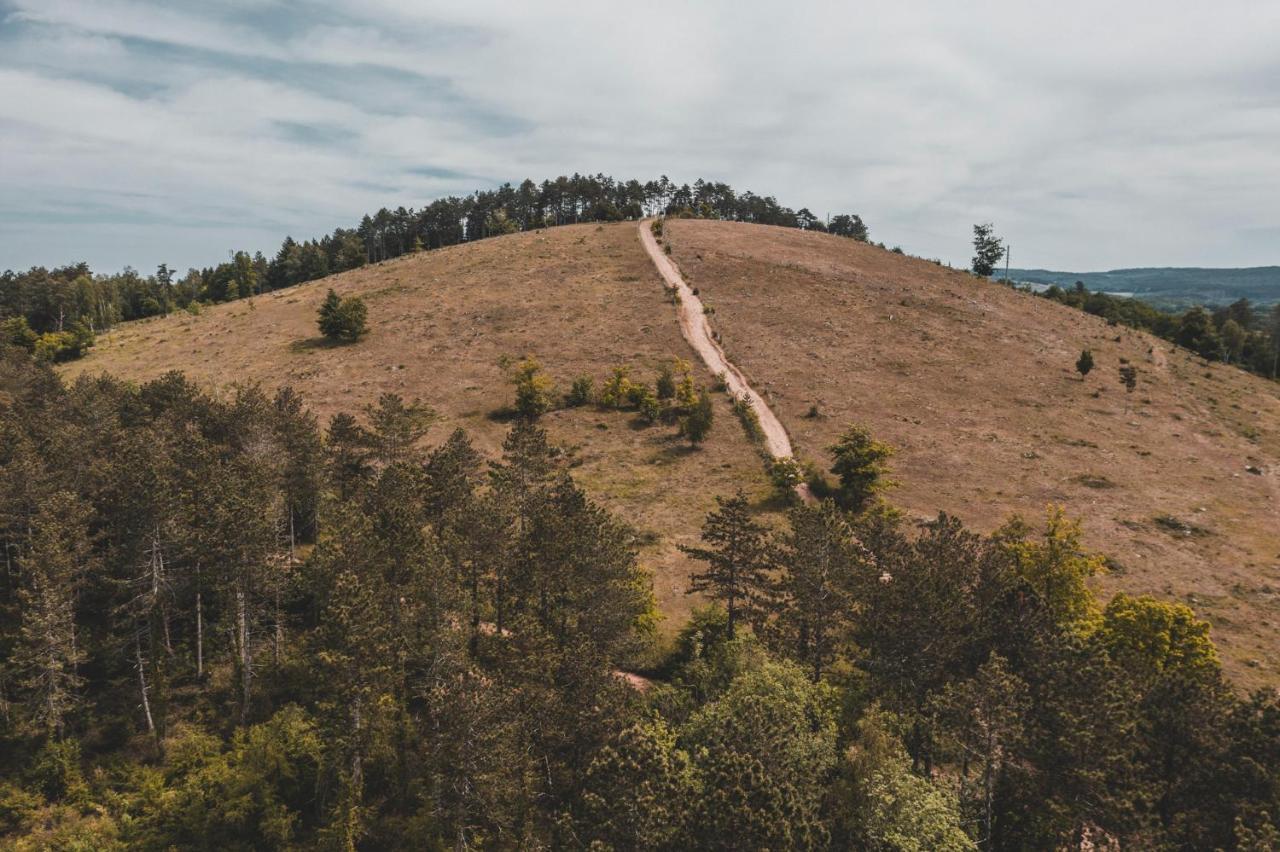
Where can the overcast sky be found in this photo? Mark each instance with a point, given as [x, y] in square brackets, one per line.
[1094, 134]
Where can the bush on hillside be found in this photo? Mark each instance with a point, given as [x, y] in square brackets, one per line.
[343, 319]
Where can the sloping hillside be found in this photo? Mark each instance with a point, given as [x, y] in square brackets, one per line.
[579, 298]
[976, 386]
[974, 383]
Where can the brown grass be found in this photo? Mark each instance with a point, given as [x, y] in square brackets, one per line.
[976, 386]
[579, 298]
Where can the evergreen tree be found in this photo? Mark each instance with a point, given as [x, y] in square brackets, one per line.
[820, 557]
[1084, 363]
[48, 655]
[696, 425]
[737, 560]
[860, 464]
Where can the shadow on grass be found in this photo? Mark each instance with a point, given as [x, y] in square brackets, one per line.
[311, 344]
[674, 449]
[506, 414]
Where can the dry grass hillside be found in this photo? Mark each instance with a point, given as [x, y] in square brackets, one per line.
[974, 383]
[579, 298]
[976, 387]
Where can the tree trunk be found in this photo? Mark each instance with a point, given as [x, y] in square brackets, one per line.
[142, 684]
[245, 658]
[199, 633]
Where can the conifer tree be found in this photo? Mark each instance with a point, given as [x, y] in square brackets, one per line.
[49, 654]
[1084, 363]
[696, 425]
[821, 559]
[737, 559]
[860, 464]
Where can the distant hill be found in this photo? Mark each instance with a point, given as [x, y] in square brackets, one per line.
[1170, 287]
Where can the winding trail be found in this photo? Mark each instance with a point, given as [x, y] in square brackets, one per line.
[697, 331]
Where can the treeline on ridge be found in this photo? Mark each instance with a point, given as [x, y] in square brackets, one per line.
[225, 625]
[1234, 334]
[56, 312]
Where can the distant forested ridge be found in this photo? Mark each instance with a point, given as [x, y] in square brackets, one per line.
[57, 311]
[1169, 287]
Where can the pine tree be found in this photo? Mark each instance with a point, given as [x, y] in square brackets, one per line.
[696, 425]
[49, 653]
[328, 316]
[1084, 363]
[396, 427]
[860, 464]
[737, 560]
[821, 559]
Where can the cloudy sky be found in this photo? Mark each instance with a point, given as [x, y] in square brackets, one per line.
[1094, 134]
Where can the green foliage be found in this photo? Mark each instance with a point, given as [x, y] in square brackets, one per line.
[696, 425]
[256, 795]
[647, 404]
[16, 332]
[763, 754]
[860, 465]
[1084, 364]
[786, 474]
[750, 420]
[535, 391]
[617, 389]
[988, 249]
[737, 560]
[447, 666]
[637, 791]
[1055, 567]
[882, 806]
[343, 319]
[581, 392]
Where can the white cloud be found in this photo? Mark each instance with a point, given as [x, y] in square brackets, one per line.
[1094, 134]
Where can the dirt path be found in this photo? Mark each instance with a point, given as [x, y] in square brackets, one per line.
[697, 331]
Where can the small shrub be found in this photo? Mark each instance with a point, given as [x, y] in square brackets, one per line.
[534, 389]
[746, 413]
[696, 425]
[786, 473]
[648, 405]
[616, 392]
[665, 384]
[581, 392]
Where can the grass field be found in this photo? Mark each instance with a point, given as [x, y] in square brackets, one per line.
[974, 383]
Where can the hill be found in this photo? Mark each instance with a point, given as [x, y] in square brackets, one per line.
[973, 383]
[1170, 287]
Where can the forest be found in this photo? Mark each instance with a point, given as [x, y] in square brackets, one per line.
[227, 625]
[57, 312]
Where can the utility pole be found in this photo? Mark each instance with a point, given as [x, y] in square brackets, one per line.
[1008, 250]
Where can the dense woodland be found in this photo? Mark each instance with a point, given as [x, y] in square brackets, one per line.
[56, 312]
[226, 625]
[1234, 334]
